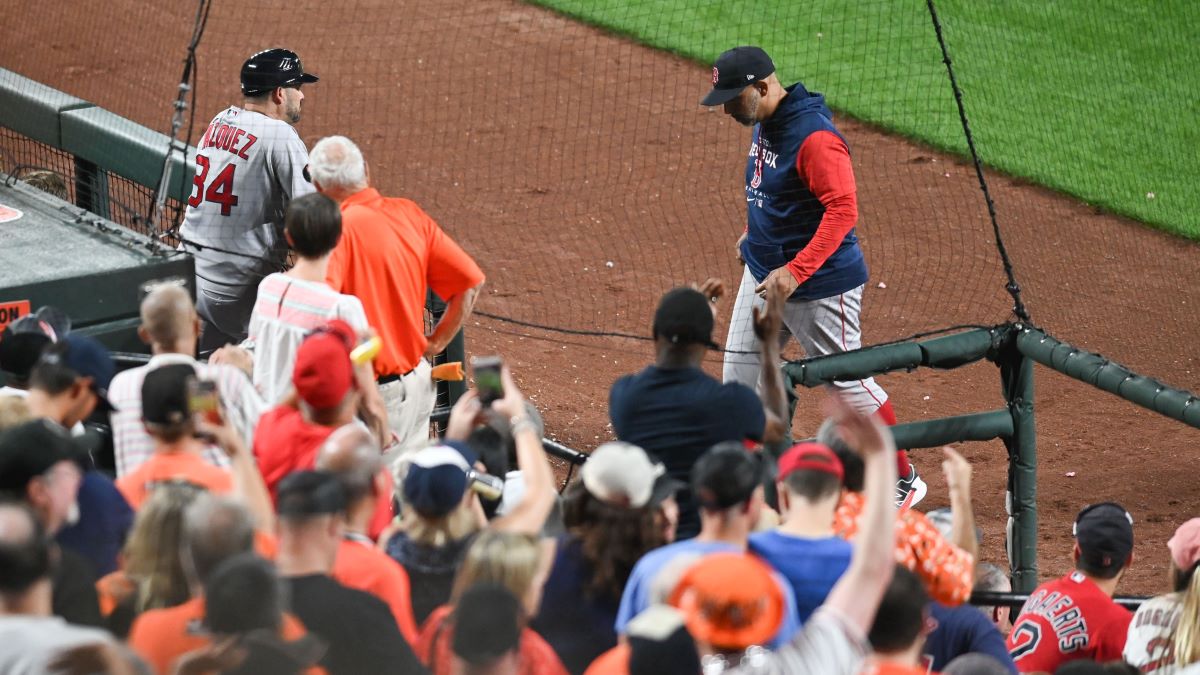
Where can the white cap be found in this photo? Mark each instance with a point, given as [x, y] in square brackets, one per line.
[620, 474]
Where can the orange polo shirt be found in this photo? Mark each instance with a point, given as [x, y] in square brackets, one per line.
[390, 254]
[173, 466]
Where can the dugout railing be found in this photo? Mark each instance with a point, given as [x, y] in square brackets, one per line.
[1014, 348]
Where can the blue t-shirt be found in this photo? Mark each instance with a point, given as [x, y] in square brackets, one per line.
[104, 521]
[962, 630]
[639, 592]
[577, 625]
[676, 415]
[811, 566]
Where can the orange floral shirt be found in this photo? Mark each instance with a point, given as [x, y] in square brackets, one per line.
[947, 570]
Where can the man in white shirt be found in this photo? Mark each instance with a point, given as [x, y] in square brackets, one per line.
[170, 326]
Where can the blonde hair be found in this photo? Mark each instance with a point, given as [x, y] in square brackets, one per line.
[152, 553]
[13, 411]
[505, 558]
[1187, 633]
[441, 531]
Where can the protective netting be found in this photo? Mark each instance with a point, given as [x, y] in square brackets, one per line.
[568, 153]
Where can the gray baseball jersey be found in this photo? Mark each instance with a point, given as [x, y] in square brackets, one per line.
[248, 168]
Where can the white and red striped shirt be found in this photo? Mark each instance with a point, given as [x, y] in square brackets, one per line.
[132, 445]
[288, 308]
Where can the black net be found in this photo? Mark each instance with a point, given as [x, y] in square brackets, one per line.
[568, 154]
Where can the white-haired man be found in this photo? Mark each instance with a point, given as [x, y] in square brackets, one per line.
[390, 255]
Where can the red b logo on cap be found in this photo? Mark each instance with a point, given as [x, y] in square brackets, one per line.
[716, 75]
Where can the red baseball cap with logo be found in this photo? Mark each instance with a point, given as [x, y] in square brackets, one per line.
[323, 373]
[811, 456]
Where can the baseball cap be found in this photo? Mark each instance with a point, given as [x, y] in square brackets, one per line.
[165, 394]
[273, 68]
[731, 601]
[1105, 534]
[323, 373]
[85, 357]
[660, 644]
[437, 478]
[684, 317]
[49, 321]
[1185, 545]
[487, 623]
[309, 493]
[29, 450]
[621, 474]
[20, 351]
[736, 69]
[809, 456]
[726, 476]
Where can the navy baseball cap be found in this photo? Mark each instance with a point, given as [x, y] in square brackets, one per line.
[437, 478]
[273, 68]
[1105, 534]
[735, 70]
[85, 357]
[684, 316]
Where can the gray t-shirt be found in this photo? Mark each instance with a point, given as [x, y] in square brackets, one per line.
[29, 643]
[827, 645]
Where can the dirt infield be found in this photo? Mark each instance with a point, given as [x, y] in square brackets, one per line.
[526, 193]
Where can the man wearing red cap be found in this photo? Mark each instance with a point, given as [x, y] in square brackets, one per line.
[804, 548]
[289, 435]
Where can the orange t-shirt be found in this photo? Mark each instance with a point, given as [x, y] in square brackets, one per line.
[160, 636]
[947, 571]
[362, 566]
[390, 254]
[612, 662]
[537, 656]
[173, 466]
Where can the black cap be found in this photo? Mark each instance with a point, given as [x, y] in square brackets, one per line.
[29, 450]
[665, 486]
[273, 68]
[309, 493]
[726, 476]
[735, 70]
[487, 624]
[684, 317]
[20, 351]
[165, 394]
[1104, 532]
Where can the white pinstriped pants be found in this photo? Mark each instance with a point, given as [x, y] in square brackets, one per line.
[826, 326]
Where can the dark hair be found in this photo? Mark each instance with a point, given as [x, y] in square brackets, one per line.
[1086, 667]
[853, 469]
[23, 560]
[726, 476]
[812, 484]
[975, 663]
[488, 621]
[901, 614]
[243, 594]
[1099, 571]
[612, 539]
[314, 223]
[52, 375]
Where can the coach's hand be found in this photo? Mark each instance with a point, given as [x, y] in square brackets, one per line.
[737, 248]
[780, 280]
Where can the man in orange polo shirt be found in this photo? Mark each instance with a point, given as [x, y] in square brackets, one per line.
[390, 255]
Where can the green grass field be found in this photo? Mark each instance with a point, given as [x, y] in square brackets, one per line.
[1099, 99]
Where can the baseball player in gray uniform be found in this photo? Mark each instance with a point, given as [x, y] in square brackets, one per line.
[251, 163]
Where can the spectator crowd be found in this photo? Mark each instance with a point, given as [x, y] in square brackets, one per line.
[281, 507]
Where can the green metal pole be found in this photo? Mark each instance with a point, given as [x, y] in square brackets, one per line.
[1016, 371]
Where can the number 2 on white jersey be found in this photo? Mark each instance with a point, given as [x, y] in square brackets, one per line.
[219, 191]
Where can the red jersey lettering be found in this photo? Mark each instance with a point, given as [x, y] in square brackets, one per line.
[251, 139]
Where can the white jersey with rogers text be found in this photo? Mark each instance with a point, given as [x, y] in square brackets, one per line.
[249, 166]
[1150, 643]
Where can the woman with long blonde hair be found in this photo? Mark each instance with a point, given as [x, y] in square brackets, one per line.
[514, 561]
[151, 574]
[1164, 636]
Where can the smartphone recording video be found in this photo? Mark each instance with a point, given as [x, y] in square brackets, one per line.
[487, 378]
